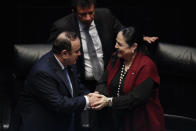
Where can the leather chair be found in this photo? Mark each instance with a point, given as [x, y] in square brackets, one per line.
[25, 55]
[177, 68]
[176, 65]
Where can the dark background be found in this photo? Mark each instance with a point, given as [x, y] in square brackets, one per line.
[172, 22]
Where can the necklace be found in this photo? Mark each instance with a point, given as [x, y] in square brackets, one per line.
[122, 75]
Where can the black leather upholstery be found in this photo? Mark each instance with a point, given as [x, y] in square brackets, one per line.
[176, 65]
[177, 69]
[26, 55]
[176, 60]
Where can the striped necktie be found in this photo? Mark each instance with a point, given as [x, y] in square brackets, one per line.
[68, 81]
[97, 70]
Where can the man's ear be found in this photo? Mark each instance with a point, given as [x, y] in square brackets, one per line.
[64, 53]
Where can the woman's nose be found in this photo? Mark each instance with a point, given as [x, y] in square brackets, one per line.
[116, 45]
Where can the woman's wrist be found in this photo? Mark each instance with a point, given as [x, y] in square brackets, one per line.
[109, 101]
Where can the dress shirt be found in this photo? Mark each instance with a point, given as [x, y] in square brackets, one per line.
[98, 47]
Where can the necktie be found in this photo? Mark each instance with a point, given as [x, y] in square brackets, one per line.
[68, 81]
[97, 70]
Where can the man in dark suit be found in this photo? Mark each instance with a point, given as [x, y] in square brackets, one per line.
[53, 96]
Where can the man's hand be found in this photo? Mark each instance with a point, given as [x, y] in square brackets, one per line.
[100, 102]
[93, 97]
[150, 39]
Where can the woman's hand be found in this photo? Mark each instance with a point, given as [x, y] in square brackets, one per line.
[101, 101]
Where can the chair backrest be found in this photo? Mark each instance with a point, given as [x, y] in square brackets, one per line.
[25, 55]
[176, 60]
[177, 68]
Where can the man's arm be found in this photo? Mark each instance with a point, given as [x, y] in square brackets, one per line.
[45, 89]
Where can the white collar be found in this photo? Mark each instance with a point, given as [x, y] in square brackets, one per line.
[82, 26]
[60, 64]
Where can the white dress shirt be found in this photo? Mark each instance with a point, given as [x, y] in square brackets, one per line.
[98, 47]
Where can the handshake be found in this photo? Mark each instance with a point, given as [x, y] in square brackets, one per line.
[98, 101]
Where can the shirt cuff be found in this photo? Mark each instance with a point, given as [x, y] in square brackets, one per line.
[87, 103]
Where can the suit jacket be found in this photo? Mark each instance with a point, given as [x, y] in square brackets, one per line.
[46, 103]
[107, 27]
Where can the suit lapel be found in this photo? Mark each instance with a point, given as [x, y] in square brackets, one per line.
[99, 27]
[102, 34]
[75, 25]
[59, 72]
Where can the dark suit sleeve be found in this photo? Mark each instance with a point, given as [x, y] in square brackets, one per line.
[117, 25]
[138, 95]
[101, 86]
[54, 32]
[45, 89]
[66, 23]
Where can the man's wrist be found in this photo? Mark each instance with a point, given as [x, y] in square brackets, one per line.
[87, 102]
